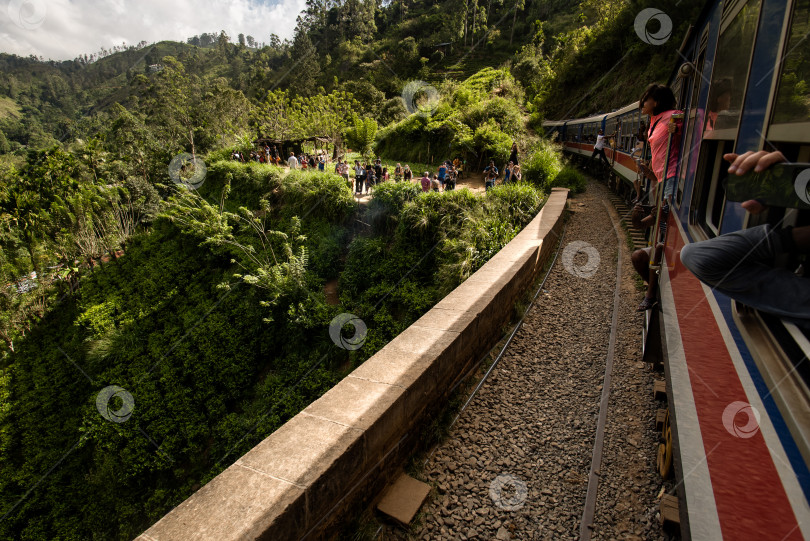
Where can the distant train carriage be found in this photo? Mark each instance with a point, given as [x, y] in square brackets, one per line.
[737, 379]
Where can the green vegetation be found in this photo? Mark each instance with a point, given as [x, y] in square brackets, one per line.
[208, 306]
[479, 117]
[546, 168]
[214, 320]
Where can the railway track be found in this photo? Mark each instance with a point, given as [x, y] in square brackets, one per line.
[558, 439]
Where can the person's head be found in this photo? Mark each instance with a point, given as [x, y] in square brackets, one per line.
[426, 174]
[491, 162]
[511, 164]
[399, 165]
[292, 154]
[721, 95]
[656, 99]
[514, 146]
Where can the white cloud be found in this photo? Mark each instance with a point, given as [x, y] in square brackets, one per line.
[64, 29]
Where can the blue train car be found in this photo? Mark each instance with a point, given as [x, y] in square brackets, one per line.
[738, 380]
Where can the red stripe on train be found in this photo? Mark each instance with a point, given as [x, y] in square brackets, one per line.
[626, 160]
[751, 501]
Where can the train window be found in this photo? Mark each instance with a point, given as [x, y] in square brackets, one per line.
[792, 104]
[731, 72]
[689, 157]
[709, 194]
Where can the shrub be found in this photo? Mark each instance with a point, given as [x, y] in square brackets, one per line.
[542, 164]
[494, 143]
[249, 182]
[389, 198]
[517, 201]
[315, 194]
[324, 259]
[570, 178]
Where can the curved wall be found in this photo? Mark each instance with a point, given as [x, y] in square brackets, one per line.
[340, 451]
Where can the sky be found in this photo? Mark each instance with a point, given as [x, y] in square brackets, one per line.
[64, 29]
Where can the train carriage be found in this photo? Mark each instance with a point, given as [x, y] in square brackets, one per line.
[737, 378]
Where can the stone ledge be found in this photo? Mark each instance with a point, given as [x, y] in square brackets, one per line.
[344, 446]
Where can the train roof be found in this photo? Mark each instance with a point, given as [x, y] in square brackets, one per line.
[629, 108]
[594, 118]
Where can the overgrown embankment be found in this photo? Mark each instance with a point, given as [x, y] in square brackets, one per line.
[216, 323]
[480, 117]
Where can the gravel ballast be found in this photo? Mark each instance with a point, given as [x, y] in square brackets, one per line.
[516, 463]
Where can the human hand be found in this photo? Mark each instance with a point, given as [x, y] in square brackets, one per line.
[758, 161]
[671, 127]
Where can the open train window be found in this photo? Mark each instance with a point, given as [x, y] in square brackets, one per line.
[791, 110]
[709, 196]
[730, 73]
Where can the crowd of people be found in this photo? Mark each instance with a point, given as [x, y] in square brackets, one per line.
[307, 161]
[263, 155]
[272, 155]
[368, 174]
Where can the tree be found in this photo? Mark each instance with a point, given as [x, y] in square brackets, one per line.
[241, 38]
[361, 136]
[172, 102]
[280, 271]
[5, 148]
[48, 177]
[307, 69]
[357, 19]
[329, 115]
[222, 41]
[278, 117]
[519, 4]
[151, 57]
[251, 41]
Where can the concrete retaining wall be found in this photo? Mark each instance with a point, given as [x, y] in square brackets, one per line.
[340, 451]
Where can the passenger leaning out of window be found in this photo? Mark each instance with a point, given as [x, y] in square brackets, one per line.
[742, 264]
[664, 137]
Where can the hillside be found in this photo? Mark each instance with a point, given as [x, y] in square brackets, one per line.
[116, 273]
[555, 49]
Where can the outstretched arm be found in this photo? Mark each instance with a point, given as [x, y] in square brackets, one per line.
[758, 161]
